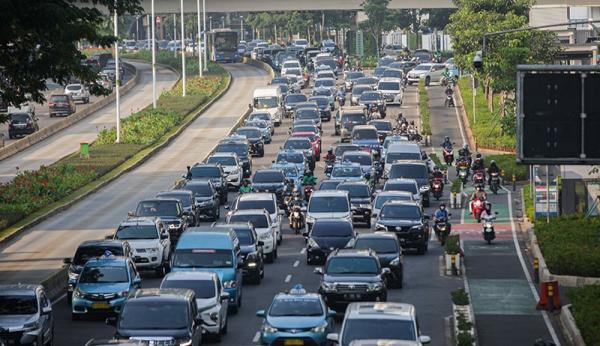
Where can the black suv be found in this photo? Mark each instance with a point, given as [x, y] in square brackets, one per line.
[92, 249]
[255, 139]
[326, 236]
[215, 174]
[361, 197]
[170, 211]
[407, 221]
[324, 106]
[416, 170]
[388, 250]
[271, 180]
[352, 276]
[242, 151]
[251, 249]
[148, 314]
[22, 124]
[206, 198]
[186, 197]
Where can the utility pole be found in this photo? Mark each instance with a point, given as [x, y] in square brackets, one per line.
[242, 28]
[204, 25]
[148, 30]
[199, 40]
[183, 92]
[153, 55]
[117, 74]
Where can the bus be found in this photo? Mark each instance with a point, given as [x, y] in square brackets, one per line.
[223, 45]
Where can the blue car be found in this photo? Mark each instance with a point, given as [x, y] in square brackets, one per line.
[294, 157]
[296, 318]
[348, 171]
[291, 173]
[366, 137]
[103, 285]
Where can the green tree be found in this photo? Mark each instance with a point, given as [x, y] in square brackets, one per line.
[38, 41]
[439, 17]
[378, 19]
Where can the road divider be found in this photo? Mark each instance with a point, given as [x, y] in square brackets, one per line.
[59, 125]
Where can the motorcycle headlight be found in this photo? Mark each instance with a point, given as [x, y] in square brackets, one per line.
[395, 262]
[312, 243]
[230, 284]
[267, 328]
[320, 328]
[329, 287]
[374, 287]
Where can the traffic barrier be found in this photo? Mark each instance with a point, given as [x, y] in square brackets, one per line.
[56, 283]
[536, 270]
[549, 296]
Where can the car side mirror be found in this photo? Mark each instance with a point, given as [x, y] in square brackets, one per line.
[130, 214]
[281, 212]
[260, 243]
[331, 313]
[260, 313]
[67, 260]
[333, 337]
[46, 310]
[137, 281]
[111, 321]
[386, 271]
[318, 271]
[424, 339]
[227, 207]
[108, 237]
[165, 235]
[224, 296]
[303, 209]
[449, 214]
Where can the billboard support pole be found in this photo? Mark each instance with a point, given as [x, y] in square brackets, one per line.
[547, 194]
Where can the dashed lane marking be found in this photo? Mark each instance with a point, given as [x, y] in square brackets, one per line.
[303, 251]
[288, 278]
[256, 337]
[296, 264]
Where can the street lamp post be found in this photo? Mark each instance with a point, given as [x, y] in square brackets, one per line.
[223, 22]
[242, 27]
[199, 40]
[117, 74]
[153, 55]
[210, 23]
[183, 93]
[204, 25]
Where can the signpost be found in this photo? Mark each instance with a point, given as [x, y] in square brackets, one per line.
[360, 45]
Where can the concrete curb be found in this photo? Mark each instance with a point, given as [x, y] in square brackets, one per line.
[467, 311]
[569, 328]
[46, 132]
[55, 284]
[465, 119]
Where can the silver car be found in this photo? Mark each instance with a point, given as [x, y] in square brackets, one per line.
[26, 316]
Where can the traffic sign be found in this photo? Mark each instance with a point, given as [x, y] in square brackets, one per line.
[360, 46]
[558, 114]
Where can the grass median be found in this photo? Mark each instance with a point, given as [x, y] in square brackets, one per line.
[33, 194]
[424, 109]
[586, 311]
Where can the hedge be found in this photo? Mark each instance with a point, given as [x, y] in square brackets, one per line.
[486, 129]
[424, 109]
[529, 210]
[509, 166]
[571, 245]
[586, 311]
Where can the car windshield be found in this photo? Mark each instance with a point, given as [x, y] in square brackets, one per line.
[154, 315]
[399, 211]
[352, 265]
[358, 90]
[362, 134]
[332, 229]
[400, 186]
[157, 208]
[206, 172]
[383, 125]
[398, 156]
[19, 117]
[391, 140]
[354, 75]
[389, 86]
[304, 128]
[363, 160]
[266, 102]
[245, 236]
[341, 149]
[290, 157]
[106, 274]
[239, 148]
[203, 258]
[324, 83]
[346, 171]
[296, 307]
[258, 220]
[203, 289]
[323, 204]
[380, 200]
[202, 189]
[59, 98]
[259, 116]
[307, 113]
[295, 98]
[380, 329]
[185, 198]
[222, 160]
[356, 190]
[321, 101]
[137, 232]
[250, 203]
[249, 133]
[17, 304]
[354, 118]
[379, 245]
[83, 254]
[370, 96]
[394, 74]
[329, 185]
[268, 177]
[423, 68]
[408, 171]
[297, 144]
[73, 87]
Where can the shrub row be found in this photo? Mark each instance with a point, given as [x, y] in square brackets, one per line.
[424, 109]
[586, 311]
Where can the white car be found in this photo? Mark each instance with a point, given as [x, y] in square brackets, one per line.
[211, 298]
[290, 64]
[232, 167]
[391, 88]
[261, 220]
[104, 81]
[328, 204]
[262, 200]
[301, 42]
[78, 91]
[150, 240]
[428, 72]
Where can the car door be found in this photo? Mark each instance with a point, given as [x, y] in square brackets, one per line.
[223, 303]
[195, 324]
[46, 319]
[165, 243]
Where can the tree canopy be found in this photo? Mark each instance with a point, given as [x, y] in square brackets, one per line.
[38, 41]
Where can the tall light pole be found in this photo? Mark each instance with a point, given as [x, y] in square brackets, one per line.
[222, 22]
[242, 27]
[153, 55]
[204, 25]
[199, 40]
[117, 74]
[182, 51]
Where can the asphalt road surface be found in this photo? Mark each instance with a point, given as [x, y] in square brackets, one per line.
[67, 141]
[39, 251]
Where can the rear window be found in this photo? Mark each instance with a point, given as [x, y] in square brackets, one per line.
[200, 190]
[362, 134]
[258, 220]
[294, 98]
[355, 118]
[83, 254]
[331, 204]
[370, 96]
[297, 144]
[332, 229]
[363, 160]
[324, 83]
[239, 148]
[398, 186]
[393, 74]
[408, 171]
[185, 198]
[19, 117]
[59, 98]
[157, 208]
[73, 87]
[383, 125]
[249, 133]
[205, 172]
[268, 177]
[306, 113]
[389, 86]
[396, 156]
[355, 190]
[290, 157]
[246, 204]
[222, 160]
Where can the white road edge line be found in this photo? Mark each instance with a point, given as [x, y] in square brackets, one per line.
[288, 278]
[524, 267]
[296, 264]
[256, 337]
[460, 124]
[303, 251]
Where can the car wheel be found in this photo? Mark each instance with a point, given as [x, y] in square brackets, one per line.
[427, 81]
[270, 257]
[224, 329]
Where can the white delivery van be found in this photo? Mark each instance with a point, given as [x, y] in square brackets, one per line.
[268, 99]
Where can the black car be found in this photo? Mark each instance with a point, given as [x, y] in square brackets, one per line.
[186, 197]
[341, 148]
[206, 198]
[329, 184]
[416, 170]
[352, 276]
[214, 173]
[348, 121]
[291, 100]
[22, 124]
[165, 313]
[255, 139]
[271, 180]
[361, 197]
[388, 250]
[92, 249]
[171, 212]
[384, 128]
[407, 221]
[251, 249]
[242, 151]
[326, 236]
[324, 106]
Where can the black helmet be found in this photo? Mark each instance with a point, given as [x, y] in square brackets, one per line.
[478, 155]
[442, 206]
[488, 206]
[412, 122]
[446, 139]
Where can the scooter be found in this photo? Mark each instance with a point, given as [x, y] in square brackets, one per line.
[449, 102]
[437, 188]
[329, 166]
[441, 227]
[342, 99]
[308, 189]
[297, 219]
[448, 156]
[494, 182]
[477, 208]
[488, 228]
[478, 177]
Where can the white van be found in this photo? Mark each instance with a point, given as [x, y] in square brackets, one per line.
[391, 88]
[268, 99]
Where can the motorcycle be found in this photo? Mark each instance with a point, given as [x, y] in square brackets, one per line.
[463, 171]
[441, 227]
[374, 112]
[377, 171]
[413, 134]
[477, 208]
[329, 166]
[478, 177]
[488, 228]
[308, 190]
[495, 182]
[448, 156]
[297, 219]
[449, 102]
[342, 99]
[437, 188]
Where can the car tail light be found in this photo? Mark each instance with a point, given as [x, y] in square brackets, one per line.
[51, 104]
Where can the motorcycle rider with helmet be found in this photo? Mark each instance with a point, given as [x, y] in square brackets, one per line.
[447, 144]
[478, 163]
[246, 187]
[492, 169]
[442, 215]
[438, 174]
[479, 194]
[330, 156]
[487, 211]
[309, 178]
[465, 152]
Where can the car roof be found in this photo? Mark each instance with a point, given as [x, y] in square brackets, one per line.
[101, 243]
[329, 193]
[251, 212]
[393, 193]
[354, 253]
[409, 162]
[364, 127]
[257, 196]
[380, 310]
[404, 147]
[225, 153]
[356, 152]
[139, 220]
[19, 289]
[401, 181]
[190, 275]
[391, 79]
[360, 183]
[386, 235]
[175, 192]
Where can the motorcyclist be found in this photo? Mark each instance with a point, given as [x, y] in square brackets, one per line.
[479, 194]
[330, 156]
[309, 178]
[437, 174]
[478, 163]
[246, 186]
[487, 213]
[492, 169]
[442, 215]
[188, 175]
[465, 152]
[341, 93]
[446, 74]
[447, 144]
[411, 126]
[449, 91]
[401, 119]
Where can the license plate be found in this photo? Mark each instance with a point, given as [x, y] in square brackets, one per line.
[293, 342]
[353, 296]
[100, 306]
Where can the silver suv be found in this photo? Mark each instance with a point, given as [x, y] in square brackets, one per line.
[381, 321]
[26, 315]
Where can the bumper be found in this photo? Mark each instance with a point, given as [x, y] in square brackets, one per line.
[60, 111]
[361, 213]
[339, 301]
[20, 337]
[234, 179]
[16, 131]
[326, 115]
[211, 326]
[251, 271]
[316, 254]
[288, 338]
[84, 306]
[205, 210]
[151, 260]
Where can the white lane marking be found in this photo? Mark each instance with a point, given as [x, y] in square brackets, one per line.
[256, 337]
[296, 264]
[524, 267]
[303, 251]
[460, 124]
[288, 278]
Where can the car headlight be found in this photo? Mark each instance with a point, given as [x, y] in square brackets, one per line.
[416, 228]
[123, 294]
[31, 325]
[235, 171]
[73, 276]
[379, 225]
[374, 286]
[265, 236]
[395, 262]
[329, 287]
[77, 293]
[152, 249]
[320, 328]
[185, 342]
[267, 328]
[312, 243]
[230, 284]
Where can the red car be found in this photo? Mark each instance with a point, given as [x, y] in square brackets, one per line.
[315, 141]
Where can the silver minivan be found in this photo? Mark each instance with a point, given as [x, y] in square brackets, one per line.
[328, 204]
[401, 152]
[391, 88]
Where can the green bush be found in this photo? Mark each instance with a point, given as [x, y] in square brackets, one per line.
[143, 128]
[453, 245]
[456, 186]
[437, 161]
[586, 311]
[509, 166]
[529, 211]
[571, 245]
[487, 128]
[424, 109]
[460, 297]
[465, 339]
[168, 58]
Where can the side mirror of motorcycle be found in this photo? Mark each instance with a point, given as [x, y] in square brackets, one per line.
[496, 212]
[449, 214]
